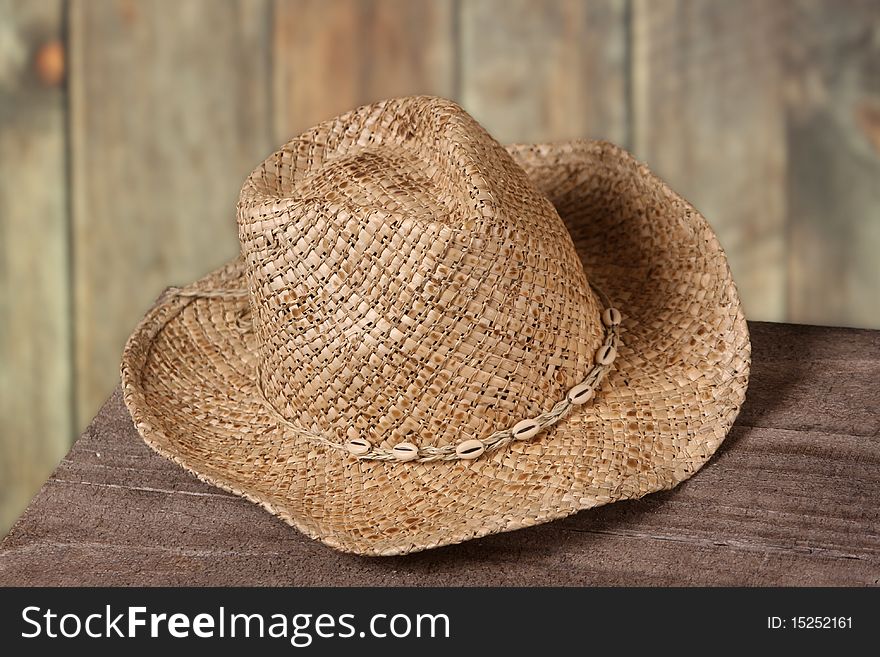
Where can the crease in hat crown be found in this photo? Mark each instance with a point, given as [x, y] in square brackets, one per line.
[408, 284]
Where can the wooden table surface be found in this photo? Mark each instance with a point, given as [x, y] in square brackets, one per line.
[791, 498]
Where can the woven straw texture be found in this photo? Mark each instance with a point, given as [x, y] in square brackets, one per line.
[404, 278]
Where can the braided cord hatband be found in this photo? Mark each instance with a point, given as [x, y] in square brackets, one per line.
[471, 448]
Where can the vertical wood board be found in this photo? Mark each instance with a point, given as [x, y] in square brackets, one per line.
[35, 397]
[709, 119]
[170, 113]
[545, 70]
[833, 94]
[330, 57]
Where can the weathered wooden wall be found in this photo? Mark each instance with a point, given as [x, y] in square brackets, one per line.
[36, 420]
[126, 128]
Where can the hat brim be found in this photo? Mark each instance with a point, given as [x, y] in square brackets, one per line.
[189, 381]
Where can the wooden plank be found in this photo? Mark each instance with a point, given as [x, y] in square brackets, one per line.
[169, 113]
[833, 58]
[333, 56]
[35, 398]
[545, 70]
[709, 117]
[791, 498]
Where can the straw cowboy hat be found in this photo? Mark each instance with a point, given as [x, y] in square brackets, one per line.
[429, 338]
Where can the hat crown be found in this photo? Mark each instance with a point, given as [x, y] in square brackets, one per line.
[408, 283]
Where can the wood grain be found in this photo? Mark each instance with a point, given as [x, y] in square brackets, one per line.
[330, 57]
[169, 113]
[545, 70]
[708, 116]
[833, 59]
[35, 397]
[791, 498]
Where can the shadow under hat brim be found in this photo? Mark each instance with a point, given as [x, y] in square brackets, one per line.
[189, 381]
